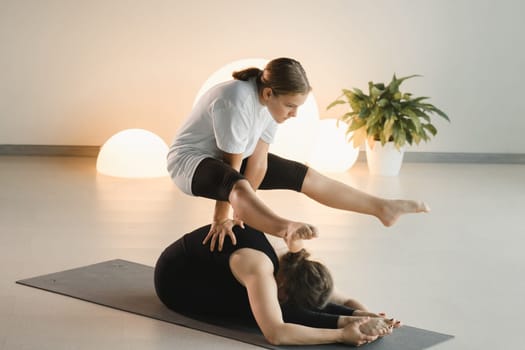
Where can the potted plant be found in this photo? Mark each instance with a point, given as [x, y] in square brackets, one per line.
[388, 119]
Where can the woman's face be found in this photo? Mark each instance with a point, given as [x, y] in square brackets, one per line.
[282, 107]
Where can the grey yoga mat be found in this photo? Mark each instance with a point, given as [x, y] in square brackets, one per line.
[128, 286]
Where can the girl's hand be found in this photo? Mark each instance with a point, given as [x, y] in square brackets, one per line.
[221, 229]
[352, 334]
[392, 321]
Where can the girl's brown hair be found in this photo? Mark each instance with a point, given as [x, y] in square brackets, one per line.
[304, 282]
[283, 75]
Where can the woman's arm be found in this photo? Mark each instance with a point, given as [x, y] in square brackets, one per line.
[359, 310]
[257, 165]
[254, 270]
[221, 225]
[338, 298]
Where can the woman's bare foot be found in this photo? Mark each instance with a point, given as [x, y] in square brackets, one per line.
[352, 334]
[377, 326]
[393, 209]
[296, 233]
[360, 313]
[300, 230]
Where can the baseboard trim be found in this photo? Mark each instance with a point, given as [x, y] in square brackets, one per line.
[49, 150]
[410, 157]
[458, 157]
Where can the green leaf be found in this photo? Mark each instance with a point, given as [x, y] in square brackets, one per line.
[395, 83]
[374, 117]
[416, 138]
[359, 93]
[412, 115]
[387, 130]
[356, 124]
[389, 113]
[373, 131]
[430, 128]
[365, 112]
[422, 114]
[382, 102]
[439, 112]
[400, 140]
[409, 138]
[347, 117]
[419, 99]
[397, 106]
[375, 92]
[335, 103]
[355, 103]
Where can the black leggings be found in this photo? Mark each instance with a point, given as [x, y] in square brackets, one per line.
[214, 179]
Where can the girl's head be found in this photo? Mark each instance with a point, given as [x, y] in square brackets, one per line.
[304, 282]
[282, 86]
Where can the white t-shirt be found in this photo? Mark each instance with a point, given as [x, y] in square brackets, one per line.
[228, 118]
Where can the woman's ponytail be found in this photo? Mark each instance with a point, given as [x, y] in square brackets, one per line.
[293, 260]
[283, 75]
[247, 74]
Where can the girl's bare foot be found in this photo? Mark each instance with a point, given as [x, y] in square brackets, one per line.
[296, 233]
[393, 209]
[377, 326]
[395, 323]
[300, 230]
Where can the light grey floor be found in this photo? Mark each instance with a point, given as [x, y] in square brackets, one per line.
[458, 270]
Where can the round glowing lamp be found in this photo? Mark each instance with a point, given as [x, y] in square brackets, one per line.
[294, 137]
[332, 152]
[225, 73]
[133, 153]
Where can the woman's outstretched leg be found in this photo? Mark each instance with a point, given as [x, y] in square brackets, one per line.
[338, 195]
[252, 210]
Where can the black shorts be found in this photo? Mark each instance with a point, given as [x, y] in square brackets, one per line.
[214, 179]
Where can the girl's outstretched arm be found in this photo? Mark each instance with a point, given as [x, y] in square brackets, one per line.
[254, 270]
[339, 298]
[360, 310]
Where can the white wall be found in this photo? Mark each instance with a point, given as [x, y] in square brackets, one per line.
[75, 72]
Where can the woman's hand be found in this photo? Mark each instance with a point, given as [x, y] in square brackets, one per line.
[219, 230]
[377, 326]
[352, 333]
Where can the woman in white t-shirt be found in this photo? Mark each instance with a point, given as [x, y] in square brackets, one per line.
[221, 153]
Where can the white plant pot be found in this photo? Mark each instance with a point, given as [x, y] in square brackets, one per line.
[384, 160]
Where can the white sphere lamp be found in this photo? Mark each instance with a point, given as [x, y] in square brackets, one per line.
[225, 73]
[133, 153]
[294, 136]
[332, 152]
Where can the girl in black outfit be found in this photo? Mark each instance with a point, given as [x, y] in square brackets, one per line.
[291, 298]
